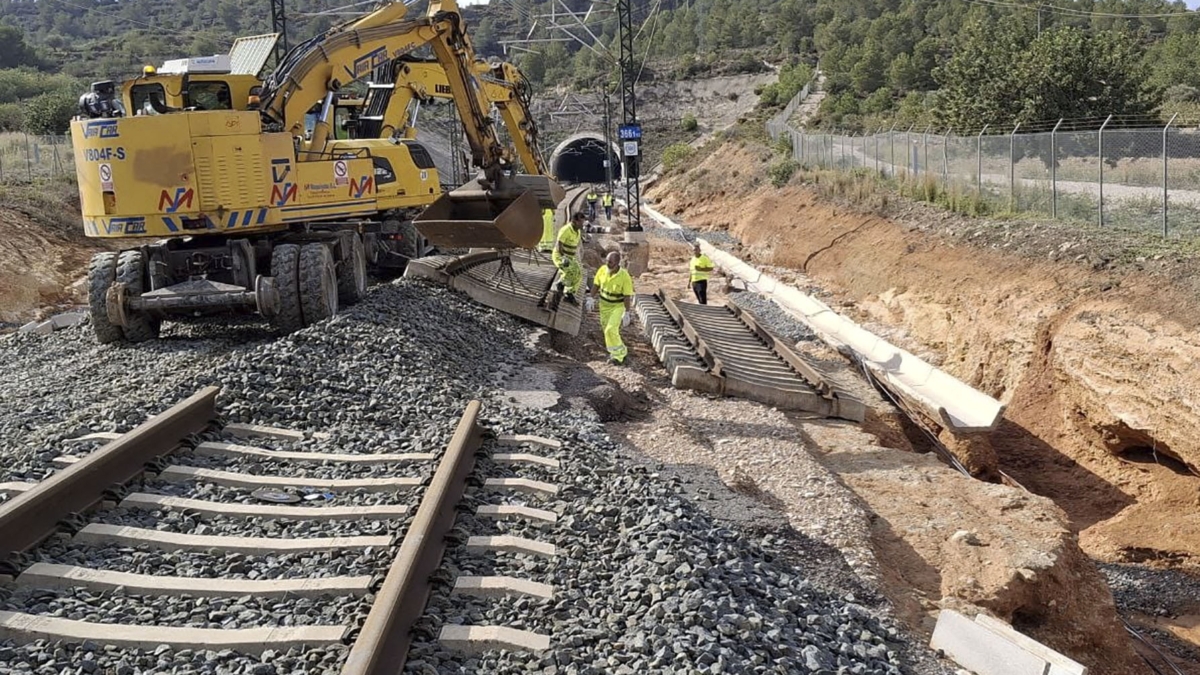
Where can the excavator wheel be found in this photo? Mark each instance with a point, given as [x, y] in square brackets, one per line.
[318, 283]
[131, 271]
[102, 271]
[285, 264]
[352, 273]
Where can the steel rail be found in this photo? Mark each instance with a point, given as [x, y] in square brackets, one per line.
[715, 364]
[382, 644]
[34, 515]
[783, 351]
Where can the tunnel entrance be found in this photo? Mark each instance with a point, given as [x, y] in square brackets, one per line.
[580, 159]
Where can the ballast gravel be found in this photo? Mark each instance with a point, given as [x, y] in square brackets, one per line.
[644, 581]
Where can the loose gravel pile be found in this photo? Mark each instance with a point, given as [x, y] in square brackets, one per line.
[644, 581]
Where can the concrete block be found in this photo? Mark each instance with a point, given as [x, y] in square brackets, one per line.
[68, 320]
[1060, 664]
[480, 639]
[37, 328]
[982, 650]
[499, 586]
[500, 511]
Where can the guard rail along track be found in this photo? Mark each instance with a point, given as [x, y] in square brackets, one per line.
[724, 350]
[520, 283]
[56, 506]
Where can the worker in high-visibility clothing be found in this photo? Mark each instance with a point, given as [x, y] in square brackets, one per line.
[700, 267]
[607, 201]
[592, 198]
[546, 245]
[566, 259]
[615, 288]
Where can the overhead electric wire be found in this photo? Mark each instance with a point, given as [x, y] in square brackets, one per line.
[1078, 13]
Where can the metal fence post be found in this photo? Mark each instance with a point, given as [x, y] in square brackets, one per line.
[878, 133]
[1054, 169]
[28, 159]
[979, 162]
[1165, 129]
[925, 142]
[1100, 165]
[908, 143]
[54, 148]
[892, 143]
[1012, 168]
[946, 155]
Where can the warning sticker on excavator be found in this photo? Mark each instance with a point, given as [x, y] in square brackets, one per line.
[341, 173]
[424, 174]
[106, 184]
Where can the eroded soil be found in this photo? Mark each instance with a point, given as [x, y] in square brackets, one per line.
[1095, 352]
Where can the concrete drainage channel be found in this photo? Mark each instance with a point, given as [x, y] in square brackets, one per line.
[80, 501]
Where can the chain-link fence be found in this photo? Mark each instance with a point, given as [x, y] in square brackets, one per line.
[1140, 178]
[25, 158]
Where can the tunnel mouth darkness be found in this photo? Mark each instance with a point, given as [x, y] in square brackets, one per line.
[580, 159]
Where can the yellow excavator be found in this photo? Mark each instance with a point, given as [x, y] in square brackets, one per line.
[259, 216]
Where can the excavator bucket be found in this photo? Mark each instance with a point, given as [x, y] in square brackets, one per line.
[549, 193]
[470, 217]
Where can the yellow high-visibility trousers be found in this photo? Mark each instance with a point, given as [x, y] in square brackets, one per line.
[572, 273]
[611, 314]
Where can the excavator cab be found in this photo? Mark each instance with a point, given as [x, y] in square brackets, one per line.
[507, 216]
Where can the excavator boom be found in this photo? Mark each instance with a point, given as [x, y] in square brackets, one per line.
[496, 210]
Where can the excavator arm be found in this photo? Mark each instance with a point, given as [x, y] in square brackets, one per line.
[497, 210]
[318, 68]
[503, 85]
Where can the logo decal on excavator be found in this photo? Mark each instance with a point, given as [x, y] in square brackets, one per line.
[182, 199]
[363, 65]
[281, 194]
[280, 168]
[443, 89]
[101, 129]
[362, 186]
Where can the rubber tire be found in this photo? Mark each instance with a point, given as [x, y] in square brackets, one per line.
[102, 271]
[352, 273]
[407, 246]
[318, 283]
[131, 271]
[285, 268]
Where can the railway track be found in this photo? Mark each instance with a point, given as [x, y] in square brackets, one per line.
[183, 487]
[724, 350]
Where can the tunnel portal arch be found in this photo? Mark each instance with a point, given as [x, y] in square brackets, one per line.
[580, 159]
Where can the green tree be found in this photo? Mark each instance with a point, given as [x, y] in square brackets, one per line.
[981, 83]
[1072, 73]
[13, 50]
[50, 113]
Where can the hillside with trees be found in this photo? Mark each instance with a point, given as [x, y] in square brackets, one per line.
[957, 63]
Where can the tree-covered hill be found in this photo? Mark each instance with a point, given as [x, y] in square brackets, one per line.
[950, 63]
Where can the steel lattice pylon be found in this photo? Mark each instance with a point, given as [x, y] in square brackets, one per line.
[629, 75]
[279, 26]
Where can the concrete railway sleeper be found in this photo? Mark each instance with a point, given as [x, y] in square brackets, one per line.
[726, 351]
[93, 481]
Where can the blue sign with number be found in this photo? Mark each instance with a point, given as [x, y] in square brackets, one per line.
[630, 132]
